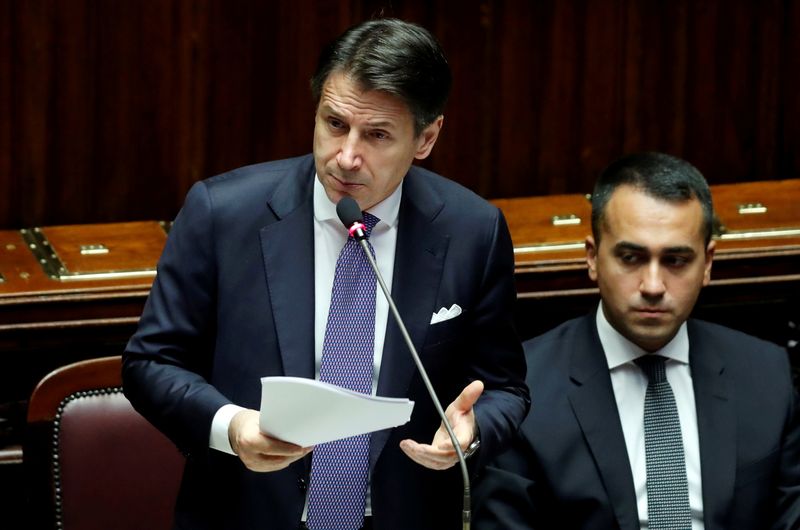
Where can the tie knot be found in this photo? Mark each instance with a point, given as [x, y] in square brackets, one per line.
[369, 223]
[653, 367]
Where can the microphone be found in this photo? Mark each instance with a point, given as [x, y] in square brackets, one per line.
[351, 216]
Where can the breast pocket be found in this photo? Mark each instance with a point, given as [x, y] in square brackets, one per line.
[443, 333]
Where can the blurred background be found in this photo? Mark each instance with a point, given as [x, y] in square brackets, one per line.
[111, 109]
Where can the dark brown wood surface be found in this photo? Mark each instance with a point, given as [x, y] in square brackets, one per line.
[110, 110]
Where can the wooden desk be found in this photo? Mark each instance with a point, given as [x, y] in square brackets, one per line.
[75, 276]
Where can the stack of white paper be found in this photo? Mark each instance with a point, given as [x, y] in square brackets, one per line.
[307, 412]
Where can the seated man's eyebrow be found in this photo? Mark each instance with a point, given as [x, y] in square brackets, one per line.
[680, 249]
[626, 245]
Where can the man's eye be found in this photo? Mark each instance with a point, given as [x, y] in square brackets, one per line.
[335, 124]
[629, 258]
[676, 261]
[379, 135]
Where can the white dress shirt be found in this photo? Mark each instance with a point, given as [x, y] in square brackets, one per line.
[630, 384]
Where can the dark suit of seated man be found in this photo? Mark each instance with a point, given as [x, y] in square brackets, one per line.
[587, 454]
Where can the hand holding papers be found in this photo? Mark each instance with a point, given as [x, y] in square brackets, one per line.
[307, 412]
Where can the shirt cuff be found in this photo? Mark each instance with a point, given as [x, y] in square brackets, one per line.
[219, 439]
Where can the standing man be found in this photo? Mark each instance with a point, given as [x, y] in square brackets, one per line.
[249, 286]
[642, 417]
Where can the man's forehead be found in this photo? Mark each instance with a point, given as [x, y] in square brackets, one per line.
[639, 218]
[342, 94]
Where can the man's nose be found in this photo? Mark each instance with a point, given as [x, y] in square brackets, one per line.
[652, 281]
[349, 157]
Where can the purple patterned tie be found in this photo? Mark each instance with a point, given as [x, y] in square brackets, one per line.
[339, 469]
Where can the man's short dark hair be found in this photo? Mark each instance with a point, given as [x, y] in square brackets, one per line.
[393, 56]
[658, 175]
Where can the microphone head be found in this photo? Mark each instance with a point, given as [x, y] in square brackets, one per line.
[349, 212]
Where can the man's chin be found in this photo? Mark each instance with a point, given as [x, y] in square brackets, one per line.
[652, 338]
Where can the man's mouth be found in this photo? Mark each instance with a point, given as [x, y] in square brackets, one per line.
[650, 311]
[344, 182]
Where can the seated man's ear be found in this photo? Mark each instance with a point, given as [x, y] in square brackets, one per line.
[712, 246]
[591, 257]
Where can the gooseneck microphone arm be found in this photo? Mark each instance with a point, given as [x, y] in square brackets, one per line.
[350, 214]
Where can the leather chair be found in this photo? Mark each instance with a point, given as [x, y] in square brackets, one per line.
[92, 462]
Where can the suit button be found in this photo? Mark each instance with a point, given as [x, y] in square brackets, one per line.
[301, 483]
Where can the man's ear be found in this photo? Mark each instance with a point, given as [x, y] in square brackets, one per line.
[591, 257]
[427, 138]
[710, 249]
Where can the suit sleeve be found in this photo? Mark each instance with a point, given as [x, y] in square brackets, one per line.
[504, 496]
[167, 363]
[788, 494]
[498, 357]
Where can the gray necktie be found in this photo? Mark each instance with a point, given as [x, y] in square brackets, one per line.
[667, 486]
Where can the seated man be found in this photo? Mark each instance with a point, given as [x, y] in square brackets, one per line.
[640, 416]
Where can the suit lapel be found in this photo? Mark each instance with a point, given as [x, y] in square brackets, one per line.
[716, 424]
[592, 400]
[288, 251]
[419, 261]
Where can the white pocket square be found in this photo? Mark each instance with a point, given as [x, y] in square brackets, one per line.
[446, 314]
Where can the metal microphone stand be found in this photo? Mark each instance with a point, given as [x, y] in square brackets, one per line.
[466, 516]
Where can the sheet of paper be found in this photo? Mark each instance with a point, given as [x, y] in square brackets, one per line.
[307, 412]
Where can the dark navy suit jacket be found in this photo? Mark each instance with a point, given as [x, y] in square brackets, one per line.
[569, 468]
[234, 301]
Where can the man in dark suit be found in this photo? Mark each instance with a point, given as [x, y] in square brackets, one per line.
[244, 286]
[584, 458]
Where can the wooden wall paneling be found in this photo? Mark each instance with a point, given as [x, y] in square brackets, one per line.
[463, 151]
[726, 147]
[30, 74]
[70, 154]
[655, 79]
[159, 122]
[602, 98]
[706, 103]
[231, 85]
[6, 107]
[514, 93]
[633, 56]
[789, 109]
[115, 108]
[282, 98]
[767, 96]
[731, 71]
[107, 98]
[190, 24]
[563, 24]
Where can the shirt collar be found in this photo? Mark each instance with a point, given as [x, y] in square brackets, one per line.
[619, 350]
[387, 210]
